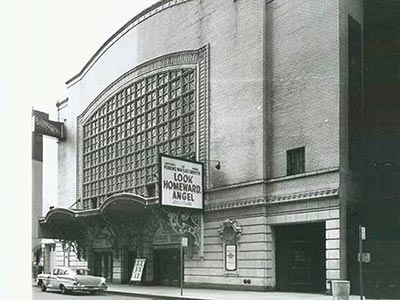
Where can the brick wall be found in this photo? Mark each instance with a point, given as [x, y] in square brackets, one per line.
[303, 82]
[234, 31]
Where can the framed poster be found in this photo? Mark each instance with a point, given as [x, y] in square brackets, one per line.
[181, 183]
[138, 268]
[230, 257]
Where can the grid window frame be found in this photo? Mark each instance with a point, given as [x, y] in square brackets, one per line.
[122, 138]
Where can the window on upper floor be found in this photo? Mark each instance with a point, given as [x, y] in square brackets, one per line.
[295, 161]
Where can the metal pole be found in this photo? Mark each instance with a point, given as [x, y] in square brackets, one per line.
[360, 262]
[181, 269]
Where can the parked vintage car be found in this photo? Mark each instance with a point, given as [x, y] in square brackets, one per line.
[71, 280]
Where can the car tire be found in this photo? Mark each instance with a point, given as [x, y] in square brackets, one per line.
[42, 287]
[63, 290]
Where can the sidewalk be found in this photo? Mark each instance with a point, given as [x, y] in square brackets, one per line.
[172, 293]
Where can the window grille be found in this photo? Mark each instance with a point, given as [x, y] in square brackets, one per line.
[122, 139]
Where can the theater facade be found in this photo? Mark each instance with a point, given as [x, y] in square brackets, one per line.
[257, 93]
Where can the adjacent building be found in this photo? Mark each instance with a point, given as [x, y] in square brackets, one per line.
[278, 100]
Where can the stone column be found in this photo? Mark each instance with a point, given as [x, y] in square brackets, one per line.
[125, 277]
[333, 257]
[117, 265]
[271, 263]
[89, 256]
[147, 252]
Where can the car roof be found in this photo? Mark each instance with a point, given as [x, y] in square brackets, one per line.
[72, 268]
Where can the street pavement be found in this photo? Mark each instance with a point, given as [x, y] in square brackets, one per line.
[37, 294]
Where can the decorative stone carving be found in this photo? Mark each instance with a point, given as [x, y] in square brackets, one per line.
[230, 231]
[183, 222]
[263, 201]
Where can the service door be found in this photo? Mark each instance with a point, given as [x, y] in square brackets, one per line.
[167, 266]
[300, 257]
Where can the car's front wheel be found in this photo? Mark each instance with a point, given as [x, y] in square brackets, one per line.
[63, 290]
[42, 286]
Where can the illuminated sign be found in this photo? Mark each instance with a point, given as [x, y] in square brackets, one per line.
[181, 183]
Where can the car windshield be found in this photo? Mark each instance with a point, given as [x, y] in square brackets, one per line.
[81, 271]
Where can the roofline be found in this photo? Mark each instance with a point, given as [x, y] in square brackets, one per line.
[120, 32]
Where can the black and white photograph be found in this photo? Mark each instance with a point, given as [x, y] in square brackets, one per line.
[201, 149]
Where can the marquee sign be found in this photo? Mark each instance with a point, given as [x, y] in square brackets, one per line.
[181, 183]
[44, 126]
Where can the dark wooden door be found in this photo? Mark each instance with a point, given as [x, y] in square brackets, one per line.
[300, 257]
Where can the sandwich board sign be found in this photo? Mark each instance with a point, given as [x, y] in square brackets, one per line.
[138, 269]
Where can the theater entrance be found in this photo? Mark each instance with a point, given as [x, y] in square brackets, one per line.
[167, 266]
[130, 260]
[103, 265]
[300, 257]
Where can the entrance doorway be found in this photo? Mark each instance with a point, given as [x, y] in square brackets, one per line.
[300, 257]
[103, 265]
[167, 267]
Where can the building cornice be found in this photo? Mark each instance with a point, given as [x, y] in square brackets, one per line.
[302, 175]
[236, 185]
[139, 18]
[272, 180]
[274, 199]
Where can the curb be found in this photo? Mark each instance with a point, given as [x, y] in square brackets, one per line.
[131, 294]
[161, 297]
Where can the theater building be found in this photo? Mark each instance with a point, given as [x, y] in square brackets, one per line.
[268, 96]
